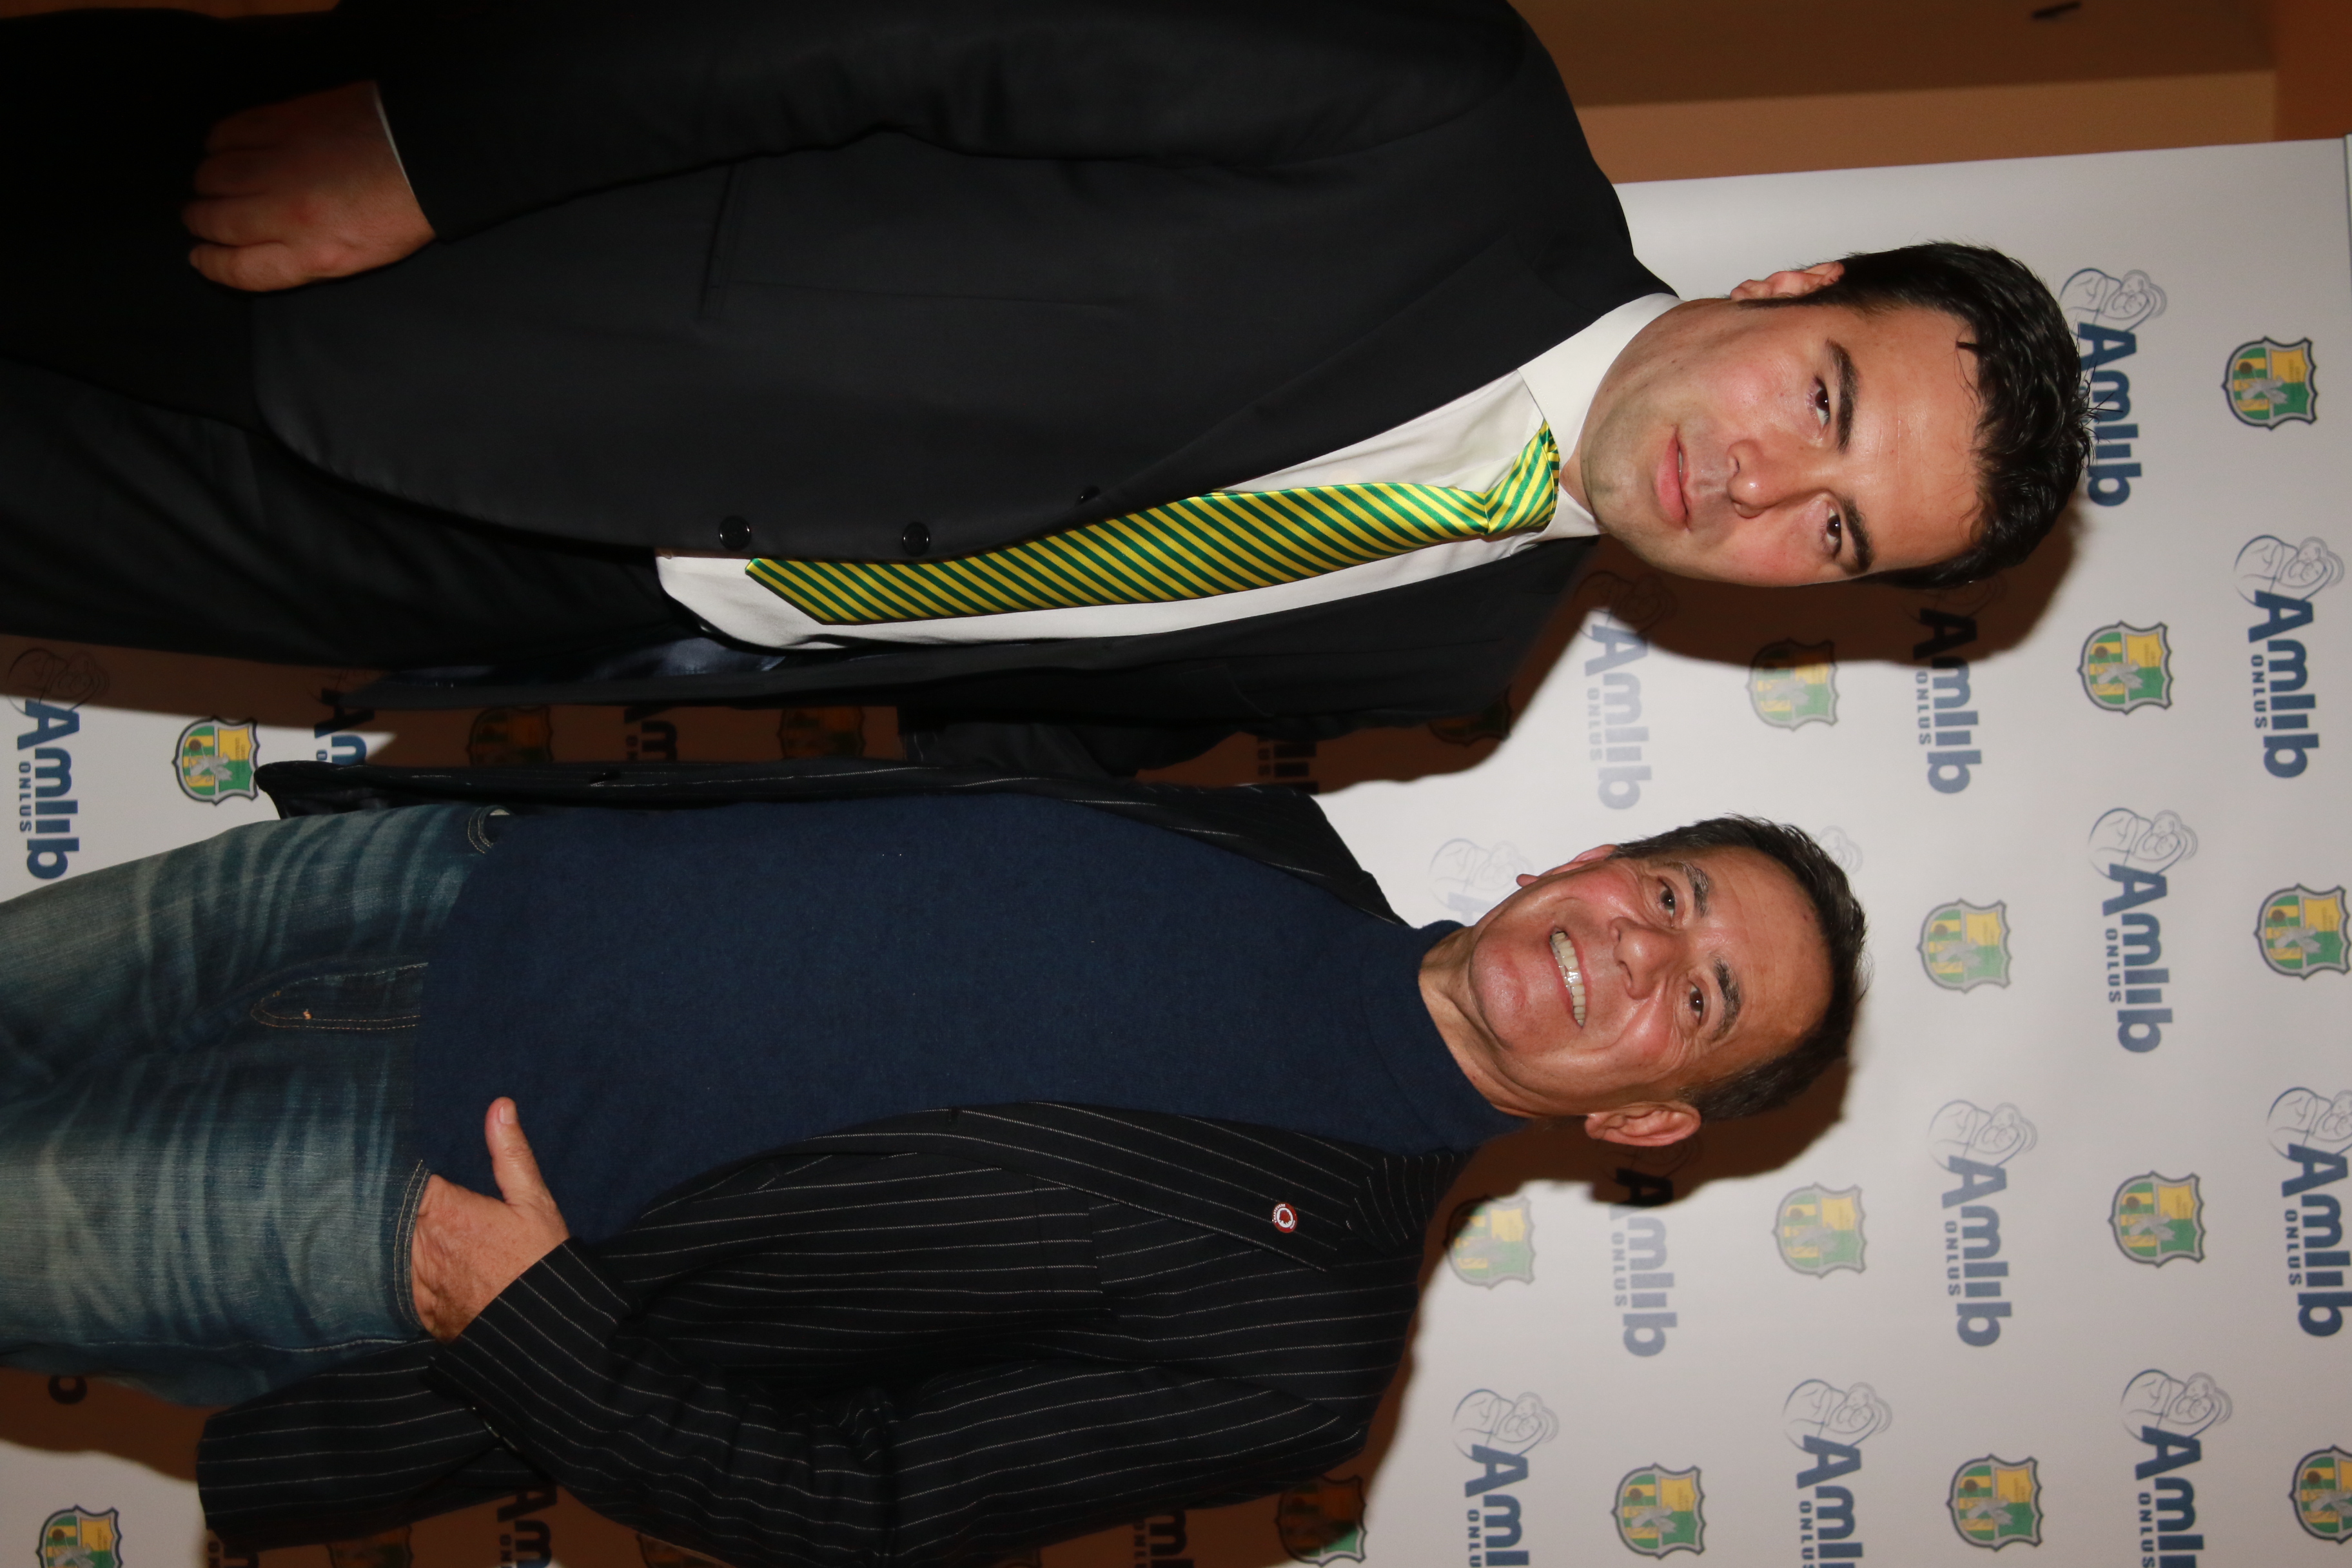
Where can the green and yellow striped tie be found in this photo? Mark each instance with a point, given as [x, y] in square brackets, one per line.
[1221, 543]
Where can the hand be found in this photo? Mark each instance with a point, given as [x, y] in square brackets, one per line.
[294, 192]
[467, 1247]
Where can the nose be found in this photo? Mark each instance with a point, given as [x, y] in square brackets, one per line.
[1767, 471]
[1647, 954]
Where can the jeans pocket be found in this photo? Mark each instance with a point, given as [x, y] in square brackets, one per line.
[380, 996]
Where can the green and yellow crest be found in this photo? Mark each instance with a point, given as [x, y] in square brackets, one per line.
[1323, 1520]
[2269, 383]
[2159, 1218]
[2125, 666]
[1820, 1230]
[214, 760]
[510, 738]
[1661, 1510]
[2323, 1494]
[1964, 946]
[76, 1538]
[1792, 684]
[1492, 1240]
[1997, 1502]
[2302, 931]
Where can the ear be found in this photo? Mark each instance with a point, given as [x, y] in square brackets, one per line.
[1790, 285]
[1644, 1126]
[1598, 852]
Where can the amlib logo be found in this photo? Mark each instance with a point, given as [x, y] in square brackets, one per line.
[1830, 1424]
[2280, 580]
[2107, 312]
[2312, 1131]
[2169, 1415]
[1976, 1145]
[1496, 1434]
[2134, 852]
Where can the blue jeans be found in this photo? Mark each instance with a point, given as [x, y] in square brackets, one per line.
[207, 1179]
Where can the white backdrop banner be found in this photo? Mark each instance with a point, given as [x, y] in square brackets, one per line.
[2060, 1265]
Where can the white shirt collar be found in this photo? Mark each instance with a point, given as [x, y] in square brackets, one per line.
[1564, 378]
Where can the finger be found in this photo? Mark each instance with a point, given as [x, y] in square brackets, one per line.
[236, 220]
[256, 268]
[511, 1160]
[259, 127]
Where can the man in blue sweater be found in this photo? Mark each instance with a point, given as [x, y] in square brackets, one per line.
[243, 1134]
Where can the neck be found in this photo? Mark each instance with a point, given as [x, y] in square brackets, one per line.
[1446, 992]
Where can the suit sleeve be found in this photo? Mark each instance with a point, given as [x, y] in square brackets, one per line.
[959, 1467]
[501, 107]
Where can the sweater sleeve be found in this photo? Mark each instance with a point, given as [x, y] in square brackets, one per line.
[501, 107]
[959, 1467]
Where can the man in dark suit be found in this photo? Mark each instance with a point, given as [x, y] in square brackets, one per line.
[1182, 1271]
[734, 350]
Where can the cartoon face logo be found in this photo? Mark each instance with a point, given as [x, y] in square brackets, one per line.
[1832, 1414]
[2159, 1218]
[2300, 1115]
[76, 1538]
[54, 678]
[1470, 879]
[1637, 603]
[1793, 684]
[2323, 1494]
[2095, 299]
[2144, 844]
[2269, 382]
[1492, 1240]
[1964, 946]
[2301, 931]
[1485, 1419]
[2125, 666]
[1818, 1230]
[1322, 1520]
[1840, 847]
[1997, 1502]
[2179, 1406]
[214, 760]
[1661, 1510]
[1963, 1129]
[2269, 565]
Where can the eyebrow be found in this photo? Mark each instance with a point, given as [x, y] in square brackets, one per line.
[1849, 381]
[1702, 887]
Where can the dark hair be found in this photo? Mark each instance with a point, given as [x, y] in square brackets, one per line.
[1837, 912]
[2033, 429]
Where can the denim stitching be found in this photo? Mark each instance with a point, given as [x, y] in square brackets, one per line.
[373, 1023]
[404, 1269]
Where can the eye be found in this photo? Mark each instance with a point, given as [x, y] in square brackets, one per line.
[1821, 402]
[1833, 534]
[1697, 1005]
[1667, 899]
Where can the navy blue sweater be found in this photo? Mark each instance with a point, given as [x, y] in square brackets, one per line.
[663, 992]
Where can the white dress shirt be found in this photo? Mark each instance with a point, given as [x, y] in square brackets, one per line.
[1468, 444]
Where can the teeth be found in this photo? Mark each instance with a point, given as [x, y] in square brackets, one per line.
[1563, 953]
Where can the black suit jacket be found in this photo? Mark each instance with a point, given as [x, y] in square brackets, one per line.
[787, 276]
[932, 1340]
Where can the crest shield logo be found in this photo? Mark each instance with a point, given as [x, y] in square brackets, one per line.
[2323, 1494]
[2269, 383]
[1323, 1520]
[1661, 1510]
[214, 760]
[510, 738]
[1820, 1230]
[2125, 666]
[76, 1538]
[2302, 931]
[2159, 1218]
[1792, 684]
[1997, 1502]
[1492, 1240]
[1964, 946]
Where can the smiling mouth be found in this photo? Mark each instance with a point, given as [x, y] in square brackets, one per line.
[1673, 481]
[1571, 971]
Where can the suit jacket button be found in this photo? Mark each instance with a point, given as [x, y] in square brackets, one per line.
[1088, 494]
[914, 539]
[734, 534]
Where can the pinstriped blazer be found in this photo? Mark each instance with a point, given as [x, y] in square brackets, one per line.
[933, 1339]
